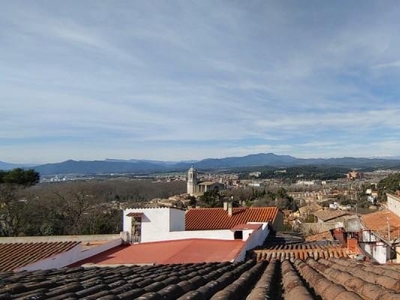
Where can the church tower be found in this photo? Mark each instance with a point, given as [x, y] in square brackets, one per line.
[192, 181]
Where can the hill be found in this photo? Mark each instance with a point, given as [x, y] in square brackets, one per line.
[151, 166]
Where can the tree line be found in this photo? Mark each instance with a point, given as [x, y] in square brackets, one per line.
[292, 174]
[83, 207]
[277, 197]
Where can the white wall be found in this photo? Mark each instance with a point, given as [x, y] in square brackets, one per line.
[70, 257]
[378, 250]
[176, 220]
[254, 239]
[157, 223]
[393, 203]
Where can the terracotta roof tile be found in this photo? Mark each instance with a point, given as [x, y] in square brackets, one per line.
[218, 218]
[17, 255]
[327, 215]
[288, 247]
[135, 214]
[179, 251]
[326, 235]
[378, 221]
[310, 278]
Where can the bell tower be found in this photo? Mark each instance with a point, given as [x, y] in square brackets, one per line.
[192, 181]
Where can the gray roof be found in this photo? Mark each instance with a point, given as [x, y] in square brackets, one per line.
[300, 280]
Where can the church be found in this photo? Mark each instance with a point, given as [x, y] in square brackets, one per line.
[196, 187]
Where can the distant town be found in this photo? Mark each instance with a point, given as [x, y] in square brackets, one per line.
[265, 220]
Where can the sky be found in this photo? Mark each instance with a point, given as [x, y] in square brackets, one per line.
[182, 80]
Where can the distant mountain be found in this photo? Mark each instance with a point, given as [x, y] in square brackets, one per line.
[254, 160]
[97, 167]
[260, 159]
[157, 162]
[8, 166]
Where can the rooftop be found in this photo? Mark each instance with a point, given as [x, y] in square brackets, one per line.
[284, 246]
[17, 255]
[327, 215]
[169, 252]
[326, 235]
[218, 218]
[379, 221]
[302, 279]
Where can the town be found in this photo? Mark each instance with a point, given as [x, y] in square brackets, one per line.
[197, 150]
[223, 224]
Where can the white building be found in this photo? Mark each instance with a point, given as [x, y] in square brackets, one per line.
[144, 225]
[194, 186]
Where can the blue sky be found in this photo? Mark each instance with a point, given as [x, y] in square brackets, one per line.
[177, 80]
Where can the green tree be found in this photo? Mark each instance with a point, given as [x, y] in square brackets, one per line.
[20, 177]
[389, 184]
[211, 199]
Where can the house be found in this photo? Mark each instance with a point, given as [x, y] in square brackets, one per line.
[354, 175]
[330, 216]
[228, 217]
[169, 228]
[47, 252]
[197, 187]
[393, 204]
[381, 234]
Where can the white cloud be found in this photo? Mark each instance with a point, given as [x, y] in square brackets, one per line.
[275, 77]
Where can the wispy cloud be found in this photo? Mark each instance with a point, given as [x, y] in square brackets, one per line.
[198, 79]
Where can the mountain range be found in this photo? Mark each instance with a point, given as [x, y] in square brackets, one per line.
[151, 166]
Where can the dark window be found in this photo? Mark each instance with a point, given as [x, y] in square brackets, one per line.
[238, 235]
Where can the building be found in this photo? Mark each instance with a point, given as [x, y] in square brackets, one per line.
[49, 252]
[197, 187]
[354, 175]
[230, 232]
[229, 217]
[331, 216]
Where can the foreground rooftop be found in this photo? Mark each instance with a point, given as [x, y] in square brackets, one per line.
[169, 252]
[302, 279]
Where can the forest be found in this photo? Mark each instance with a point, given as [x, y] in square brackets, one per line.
[292, 174]
[82, 207]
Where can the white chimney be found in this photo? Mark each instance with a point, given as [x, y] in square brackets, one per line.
[230, 208]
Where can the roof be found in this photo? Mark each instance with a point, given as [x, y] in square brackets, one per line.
[285, 246]
[17, 255]
[135, 214]
[327, 215]
[208, 183]
[311, 206]
[320, 249]
[218, 218]
[299, 279]
[378, 222]
[169, 252]
[326, 235]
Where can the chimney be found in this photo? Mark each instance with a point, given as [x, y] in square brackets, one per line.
[230, 208]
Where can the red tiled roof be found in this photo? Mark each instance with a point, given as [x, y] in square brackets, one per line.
[327, 215]
[135, 214]
[302, 251]
[17, 255]
[378, 222]
[169, 252]
[218, 218]
[326, 235]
